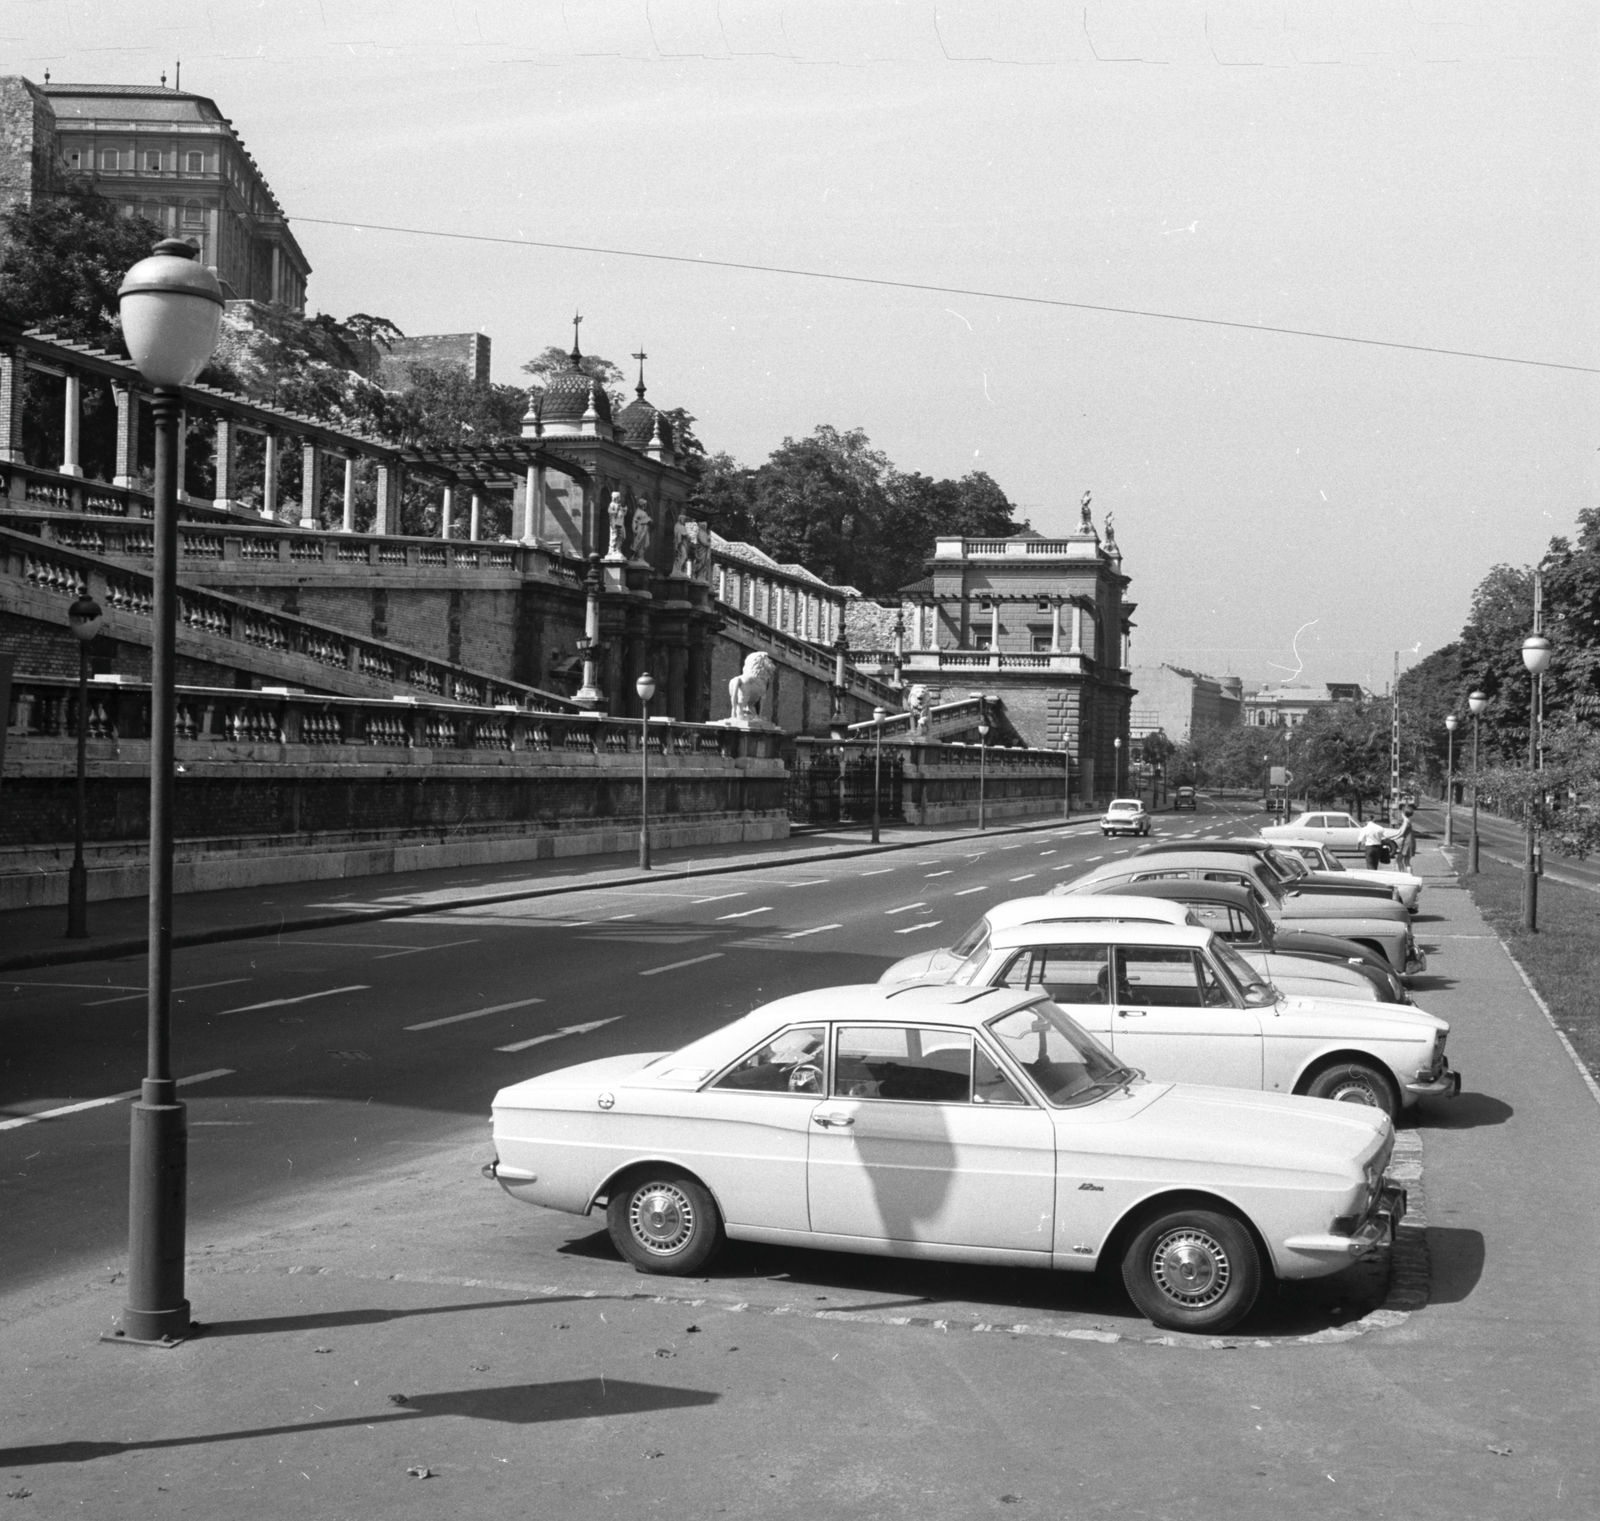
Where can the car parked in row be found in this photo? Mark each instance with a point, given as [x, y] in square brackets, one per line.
[956, 1124]
[1405, 885]
[1338, 831]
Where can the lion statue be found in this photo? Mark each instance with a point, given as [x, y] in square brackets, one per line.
[748, 690]
[917, 707]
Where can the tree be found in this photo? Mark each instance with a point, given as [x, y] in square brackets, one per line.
[918, 510]
[450, 409]
[62, 261]
[1233, 755]
[1433, 688]
[724, 496]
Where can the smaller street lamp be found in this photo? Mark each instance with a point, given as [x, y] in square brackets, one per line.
[85, 618]
[1536, 656]
[878, 715]
[1477, 702]
[1116, 769]
[645, 686]
[983, 750]
[1450, 781]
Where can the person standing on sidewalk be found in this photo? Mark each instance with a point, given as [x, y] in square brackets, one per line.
[1371, 841]
[1405, 840]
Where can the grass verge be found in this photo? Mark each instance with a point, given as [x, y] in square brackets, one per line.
[1563, 959]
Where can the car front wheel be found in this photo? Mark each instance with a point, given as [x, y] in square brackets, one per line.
[1355, 1083]
[664, 1221]
[1193, 1270]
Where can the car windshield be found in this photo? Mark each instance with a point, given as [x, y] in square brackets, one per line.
[1067, 1064]
[969, 941]
[977, 958]
[1125, 805]
[1287, 865]
[1253, 987]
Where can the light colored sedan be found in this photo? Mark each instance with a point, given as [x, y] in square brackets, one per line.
[955, 1125]
[1338, 831]
[1406, 885]
[1181, 1004]
[1125, 815]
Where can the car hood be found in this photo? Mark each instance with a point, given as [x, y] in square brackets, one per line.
[1317, 1012]
[1269, 1134]
[932, 965]
[607, 1070]
[1337, 906]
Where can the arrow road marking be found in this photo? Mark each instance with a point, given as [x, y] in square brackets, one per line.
[539, 1040]
[115, 1098]
[672, 966]
[278, 1003]
[494, 1008]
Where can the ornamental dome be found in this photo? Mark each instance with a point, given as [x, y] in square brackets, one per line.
[569, 393]
[640, 424]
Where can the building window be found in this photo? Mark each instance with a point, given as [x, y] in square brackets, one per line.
[152, 163]
[1041, 644]
[985, 604]
[110, 158]
[195, 163]
[1043, 604]
[194, 214]
[75, 160]
[980, 641]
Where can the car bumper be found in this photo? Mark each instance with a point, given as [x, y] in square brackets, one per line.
[1446, 1085]
[1377, 1230]
[1416, 964]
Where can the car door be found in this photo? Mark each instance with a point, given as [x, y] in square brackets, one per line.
[1176, 1022]
[1342, 833]
[924, 1141]
[1078, 977]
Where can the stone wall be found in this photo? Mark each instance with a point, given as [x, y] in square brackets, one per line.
[27, 142]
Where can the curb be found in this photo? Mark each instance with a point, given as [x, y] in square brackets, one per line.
[111, 950]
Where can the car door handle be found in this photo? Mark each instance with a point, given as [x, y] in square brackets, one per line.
[844, 1121]
[1130, 1013]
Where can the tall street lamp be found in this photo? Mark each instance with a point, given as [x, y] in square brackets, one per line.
[1116, 767]
[878, 715]
[983, 750]
[645, 686]
[84, 618]
[1450, 781]
[171, 307]
[1477, 701]
[1536, 656]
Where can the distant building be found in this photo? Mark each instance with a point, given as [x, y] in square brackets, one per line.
[167, 155]
[468, 352]
[1177, 702]
[1288, 706]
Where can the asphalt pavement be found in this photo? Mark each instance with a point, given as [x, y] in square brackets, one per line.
[358, 1275]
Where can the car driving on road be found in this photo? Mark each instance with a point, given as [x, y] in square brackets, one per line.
[1125, 815]
[956, 1124]
[1184, 797]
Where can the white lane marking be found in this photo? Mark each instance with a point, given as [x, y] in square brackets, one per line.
[673, 966]
[911, 929]
[115, 1098]
[882, 871]
[193, 987]
[98, 987]
[903, 909]
[1011, 847]
[744, 913]
[1027, 876]
[809, 882]
[801, 934]
[539, 1040]
[624, 916]
[933, 874]
[494, 1008]
[1047, 852]
[718, 898]
[278, 1003]
[416, 950]
[1064, 866]
[1094, 858]
[965, 890]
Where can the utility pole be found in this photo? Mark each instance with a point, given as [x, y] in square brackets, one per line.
[1394, 741]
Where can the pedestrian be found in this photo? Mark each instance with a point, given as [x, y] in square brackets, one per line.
[1405, 840]
[1371, 841]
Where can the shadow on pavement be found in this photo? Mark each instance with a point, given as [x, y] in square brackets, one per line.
[1456, 1258]
[1430, 982]
[517, 1404]
[1466, 1112]
[333, 1320]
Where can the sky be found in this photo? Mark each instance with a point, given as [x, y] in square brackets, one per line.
[1419, 174]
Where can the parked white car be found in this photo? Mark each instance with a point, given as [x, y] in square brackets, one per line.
[1407, 886]
[1338, 831]
[939, 965]
[1125, 815]
[957, 1125]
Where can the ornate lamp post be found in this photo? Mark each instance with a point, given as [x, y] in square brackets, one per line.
[171, 308]
[878, 716]
[84, 618]
[1477, 702]
[589, 696]
[1536, 656]
[983, 750]
[645, 686]
[1116, 767]
[1450, 781]
[836, 724]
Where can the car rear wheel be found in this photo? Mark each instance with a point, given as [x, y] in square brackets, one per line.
[1355, 1083]
[1193, 1270]
[664, 1221]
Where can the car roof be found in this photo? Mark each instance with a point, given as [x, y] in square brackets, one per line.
[1004, 916]
[1102, 932]
[1126, 802]
[946, 1003]
[1210, 892]
[1195, 855]
[1231, 847]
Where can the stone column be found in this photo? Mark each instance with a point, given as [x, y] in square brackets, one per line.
[1055, 628]
[1077, 630]
[310, 484]
[447, 510]
[269, 474]
[225, 464]
[13, 367]
[994, 629]
[348, 522]
[532, 505]
[475, 523]
[127, 465]
[391, 489]
[71, 426]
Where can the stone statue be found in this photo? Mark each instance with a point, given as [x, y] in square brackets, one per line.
[746, 692]
[642, 529]
[702, 553]
[686, 533]
[917, 707]
[617, 514]
[1111, 534]
[1084, 524]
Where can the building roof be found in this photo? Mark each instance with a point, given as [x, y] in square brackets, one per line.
[570, 392]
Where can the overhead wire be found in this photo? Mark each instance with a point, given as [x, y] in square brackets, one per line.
[929, 288]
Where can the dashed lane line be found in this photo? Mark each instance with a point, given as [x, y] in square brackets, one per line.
[905, 908]
[809, 882]
[744, 913]
[455, 1019]
[801, 934]
[539, 1040]
[932, 874]
[1027, 876]
[720, 897]
[98, 1103]
[911, 929]
[194, 987]
[966, 890]
[278, 1003]
[673, 966]
[882, 871]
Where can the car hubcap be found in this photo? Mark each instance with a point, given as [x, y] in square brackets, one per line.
[1355, 1091]
[661, 1217]
[1191, 1268]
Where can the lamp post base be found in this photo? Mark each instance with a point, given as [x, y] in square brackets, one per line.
[157, 1311]
[77, 901]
